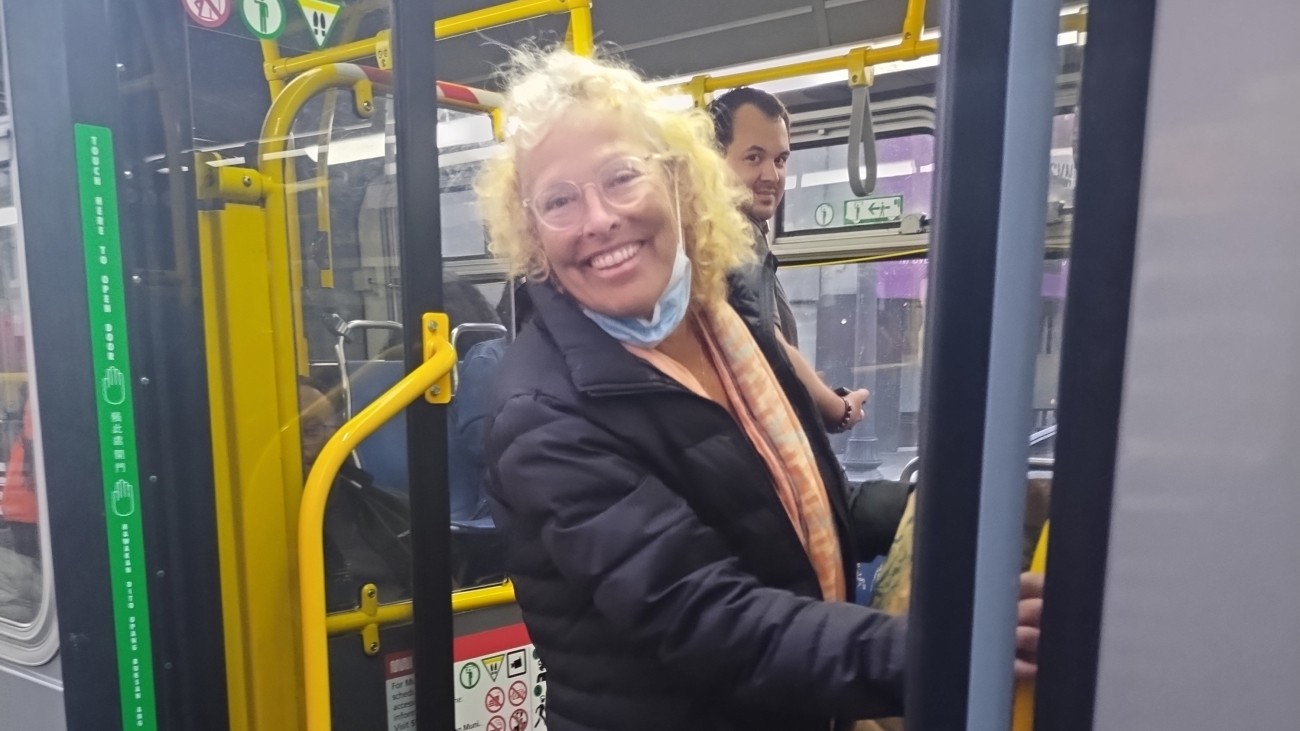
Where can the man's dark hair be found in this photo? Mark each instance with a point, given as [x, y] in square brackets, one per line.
[523, 304]
[465, 303]
[724, 108]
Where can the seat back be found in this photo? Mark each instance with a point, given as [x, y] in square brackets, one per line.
[383, 454]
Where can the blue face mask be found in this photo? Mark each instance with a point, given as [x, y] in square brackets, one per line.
[669, 311]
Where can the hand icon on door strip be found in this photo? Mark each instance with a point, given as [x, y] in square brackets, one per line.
[114, 386]
[123, 499]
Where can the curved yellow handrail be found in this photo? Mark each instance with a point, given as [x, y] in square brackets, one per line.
[311, 518]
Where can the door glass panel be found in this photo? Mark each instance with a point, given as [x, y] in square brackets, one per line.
[22, 561]
[352, 279]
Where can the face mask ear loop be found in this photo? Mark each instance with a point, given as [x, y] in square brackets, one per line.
[677, 210]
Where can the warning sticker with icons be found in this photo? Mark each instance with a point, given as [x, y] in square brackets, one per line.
[500, 682]
[320, 16]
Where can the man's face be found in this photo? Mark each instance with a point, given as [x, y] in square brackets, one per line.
[759, 149]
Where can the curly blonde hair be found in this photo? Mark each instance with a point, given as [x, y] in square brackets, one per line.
[543, 86]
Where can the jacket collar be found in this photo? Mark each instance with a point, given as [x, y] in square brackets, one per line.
[598, 364]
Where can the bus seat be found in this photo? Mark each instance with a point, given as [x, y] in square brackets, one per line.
[383, 454]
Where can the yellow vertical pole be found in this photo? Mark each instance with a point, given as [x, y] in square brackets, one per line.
[914, 22]
[580, 30]
[271, 54]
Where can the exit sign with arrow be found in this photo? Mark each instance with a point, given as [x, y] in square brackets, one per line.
[884, 209]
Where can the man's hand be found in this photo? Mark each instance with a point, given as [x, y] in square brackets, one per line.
[857, 406]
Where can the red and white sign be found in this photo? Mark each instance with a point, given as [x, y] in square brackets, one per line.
[208, 13]
[518, 693]
[495, 700]
[501, 682]
[399, 670]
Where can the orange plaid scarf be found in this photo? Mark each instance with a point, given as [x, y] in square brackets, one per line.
[767, 418]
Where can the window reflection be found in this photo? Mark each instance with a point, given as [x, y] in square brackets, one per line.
[819, 176]
[862, 326]
[20, 529]
[352, 284]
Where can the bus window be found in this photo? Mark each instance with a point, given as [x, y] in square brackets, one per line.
[464, 141]
[861, 325]
[818, 197]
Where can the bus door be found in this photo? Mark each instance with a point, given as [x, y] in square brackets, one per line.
[336, 214]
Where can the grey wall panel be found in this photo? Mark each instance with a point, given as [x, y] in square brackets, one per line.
[32, 698]
[1200, 626]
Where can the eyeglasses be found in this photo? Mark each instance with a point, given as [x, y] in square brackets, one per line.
[621, 183]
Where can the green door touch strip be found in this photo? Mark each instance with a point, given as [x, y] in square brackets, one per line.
[116, 412]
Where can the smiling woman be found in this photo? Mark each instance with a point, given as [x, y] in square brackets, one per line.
[606, 112]
[678, 529]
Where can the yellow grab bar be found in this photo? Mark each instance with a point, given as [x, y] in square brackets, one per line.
[467, 600]
[910, 48]
[282, 68]
[311, 518]
[504, 14]
[914, 22]
[872, 57]
[457, 25]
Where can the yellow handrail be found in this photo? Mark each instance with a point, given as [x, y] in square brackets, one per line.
[456, 25]
[483, 597]
[282, 228]
[342, 623]
[504, 14]
[283, 68]
[911, 47]
[580, 35]
[311, 518]
[468, 600]
[914, 22]
[873, 57]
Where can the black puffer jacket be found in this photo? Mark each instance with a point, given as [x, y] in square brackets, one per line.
[658, 574]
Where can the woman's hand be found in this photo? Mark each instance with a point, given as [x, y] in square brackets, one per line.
[1029, 617]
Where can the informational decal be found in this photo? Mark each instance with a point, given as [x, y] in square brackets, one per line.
[501, 683]
[264, 18]
[399, 670]
[115, 408]
[884, 209]
[320, 15]
[824, 215]
[208, 13]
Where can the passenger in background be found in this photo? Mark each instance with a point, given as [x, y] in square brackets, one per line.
[677, 524]
[367, 528]
[478, 547]
[753, 132]
[469, 410]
